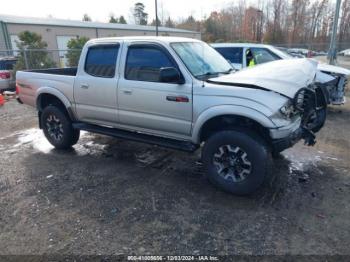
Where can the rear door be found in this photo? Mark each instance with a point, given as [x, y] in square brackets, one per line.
[147, 104]
[95, 87]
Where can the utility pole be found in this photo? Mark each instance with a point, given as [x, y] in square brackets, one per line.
[155, 1]
[332, 53]
[260, 25]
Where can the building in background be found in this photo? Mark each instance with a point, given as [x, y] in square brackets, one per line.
[57, 32]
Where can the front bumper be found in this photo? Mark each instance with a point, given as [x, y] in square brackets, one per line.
[287, 136]
[278, 145]
[285, 131]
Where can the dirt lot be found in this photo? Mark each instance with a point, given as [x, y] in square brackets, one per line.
[108, 196]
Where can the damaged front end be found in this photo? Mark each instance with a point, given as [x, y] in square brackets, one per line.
[310, 104]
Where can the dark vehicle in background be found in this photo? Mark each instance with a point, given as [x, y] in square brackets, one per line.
[7, 77]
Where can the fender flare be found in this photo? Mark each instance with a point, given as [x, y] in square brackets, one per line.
[234, 110]
[53, 91]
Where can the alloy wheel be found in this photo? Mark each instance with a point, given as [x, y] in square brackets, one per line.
[232, 163]
[54, 127]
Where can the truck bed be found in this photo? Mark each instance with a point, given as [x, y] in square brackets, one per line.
[30, 81]
[69, 71]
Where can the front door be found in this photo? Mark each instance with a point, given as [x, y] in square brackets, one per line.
[148, 104]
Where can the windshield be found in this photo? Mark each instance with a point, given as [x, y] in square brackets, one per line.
[201, 59]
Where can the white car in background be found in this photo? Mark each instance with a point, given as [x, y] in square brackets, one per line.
[236, 53]
[345, 52]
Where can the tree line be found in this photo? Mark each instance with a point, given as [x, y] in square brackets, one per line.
[304, 23]
[301, 23]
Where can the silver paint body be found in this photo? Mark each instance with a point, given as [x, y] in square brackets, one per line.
[142, 106]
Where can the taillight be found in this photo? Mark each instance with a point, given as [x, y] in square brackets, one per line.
[5, 75]
[17, 89]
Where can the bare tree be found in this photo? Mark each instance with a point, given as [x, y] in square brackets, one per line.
[86, 18]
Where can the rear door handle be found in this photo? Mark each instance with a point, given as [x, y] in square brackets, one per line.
[84, 86]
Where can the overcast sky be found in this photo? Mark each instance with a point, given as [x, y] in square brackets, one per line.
[99, 10]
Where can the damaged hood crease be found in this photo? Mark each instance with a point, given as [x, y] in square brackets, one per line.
[285, 77]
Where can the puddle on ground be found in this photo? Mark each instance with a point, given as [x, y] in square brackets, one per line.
[35, 138]
[89, 144]
[300, 160]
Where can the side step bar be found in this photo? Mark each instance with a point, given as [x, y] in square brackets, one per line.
[138, 137]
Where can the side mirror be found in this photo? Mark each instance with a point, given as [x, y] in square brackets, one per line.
[170, 75]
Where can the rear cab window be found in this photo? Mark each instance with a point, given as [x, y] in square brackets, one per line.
[101, 60]
[232, 54]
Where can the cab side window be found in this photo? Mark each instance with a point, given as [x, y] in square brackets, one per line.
[144, 63]
[101, 60]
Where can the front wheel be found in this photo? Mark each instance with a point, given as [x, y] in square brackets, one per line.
[58, 128]
[236, 161]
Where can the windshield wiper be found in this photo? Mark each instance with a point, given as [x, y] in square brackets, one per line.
[228, 71]
[208, 74]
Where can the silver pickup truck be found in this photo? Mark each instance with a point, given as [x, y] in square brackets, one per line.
[180, 93]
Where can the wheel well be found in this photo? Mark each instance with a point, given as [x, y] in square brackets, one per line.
[225, 122]
[45, 100]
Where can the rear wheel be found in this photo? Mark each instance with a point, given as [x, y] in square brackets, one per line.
[236, 161]
[58, 128]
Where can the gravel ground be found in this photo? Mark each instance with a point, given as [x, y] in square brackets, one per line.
[108, 196]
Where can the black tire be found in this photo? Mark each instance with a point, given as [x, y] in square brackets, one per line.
[76, 136]
[66, 136]
[257, 155]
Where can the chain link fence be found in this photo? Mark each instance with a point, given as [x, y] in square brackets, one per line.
[62, 58]
[42, 58]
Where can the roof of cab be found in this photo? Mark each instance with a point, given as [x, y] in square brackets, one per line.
[163, 39]
[238, 45]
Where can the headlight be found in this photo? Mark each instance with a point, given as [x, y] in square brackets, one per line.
[287, 110]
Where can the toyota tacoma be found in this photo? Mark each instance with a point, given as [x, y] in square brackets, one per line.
[181, 93]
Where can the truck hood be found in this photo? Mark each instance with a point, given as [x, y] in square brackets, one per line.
[285, 77]
[333, 69]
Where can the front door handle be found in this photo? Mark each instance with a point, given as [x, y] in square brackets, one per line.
[179, 99]
[84, 86]
[127, 92]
